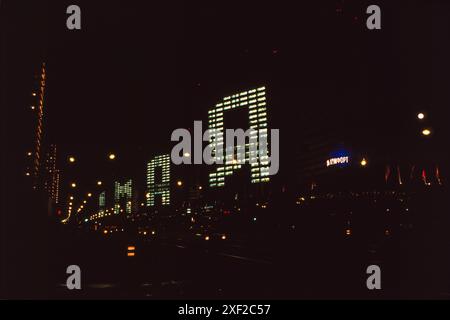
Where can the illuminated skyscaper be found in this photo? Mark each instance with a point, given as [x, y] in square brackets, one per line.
[50, 174]
[158, 188]
[123, 192]
[255, 102]
[102, 201]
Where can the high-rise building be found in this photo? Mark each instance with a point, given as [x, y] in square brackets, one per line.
[35, 152]
[158, 180]
[51, 174]
[41, 168]
[123, 194]
[318, 153]
[244, 110]
[102, 202]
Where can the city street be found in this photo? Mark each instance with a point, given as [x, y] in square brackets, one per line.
[176, 269]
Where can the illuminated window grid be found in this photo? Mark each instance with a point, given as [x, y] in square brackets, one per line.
[255, 101]
[162, 188]
[120, 192]
[102, 201]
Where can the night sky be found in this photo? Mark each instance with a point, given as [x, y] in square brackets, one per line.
[137, 71]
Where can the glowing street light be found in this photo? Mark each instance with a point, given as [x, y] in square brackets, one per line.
[99, 183]
[426, 132]
[420, 116]
[71, 159]
[363, 162]
[89, 195]
[179, 183]
[73, 185]
[112, 156]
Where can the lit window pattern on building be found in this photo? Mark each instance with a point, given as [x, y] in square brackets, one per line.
[255, 101]
[102, 201]
[123, 192]
[158, 188]
[50, 174]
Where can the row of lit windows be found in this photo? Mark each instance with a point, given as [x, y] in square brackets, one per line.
[260, 180]
[235, 101]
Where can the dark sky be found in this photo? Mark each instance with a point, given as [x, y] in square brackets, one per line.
[138, 70]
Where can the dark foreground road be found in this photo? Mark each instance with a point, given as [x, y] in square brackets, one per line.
[177, 269]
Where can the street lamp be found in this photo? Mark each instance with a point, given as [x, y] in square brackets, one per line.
[179, 183]
[71, 159]
[420, 116]
[73, 185]
[363, 162]
[89, 195]
[426, 132]
[112, 156]
[99, 183]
